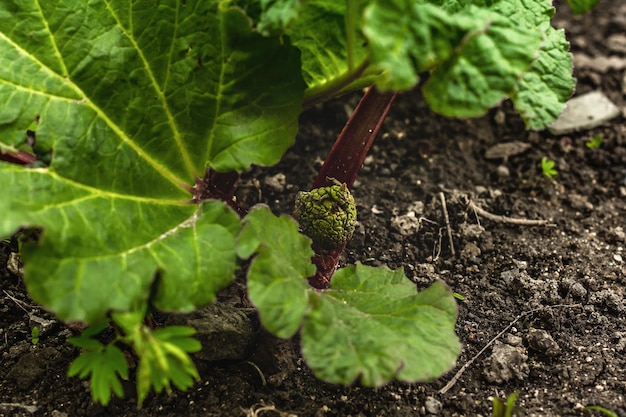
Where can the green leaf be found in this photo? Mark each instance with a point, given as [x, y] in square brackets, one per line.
[163, 359]
[582, 6]
[135, 102]
[321, 34]
[373, 326]
[92, 259]
[405, 38]
[495, 53]
[277, 284]
[278, 15]
[104, 366]
[540, 95]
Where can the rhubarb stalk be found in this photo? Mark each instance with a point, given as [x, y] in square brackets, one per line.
[335, 179]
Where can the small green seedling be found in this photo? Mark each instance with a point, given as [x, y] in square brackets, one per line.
[547, 167]
[458, 296]
[34, 335]
[508, 409]
[600, 409]
[595, 142]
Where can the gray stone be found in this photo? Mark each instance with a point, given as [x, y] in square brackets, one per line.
[505, 363]
[433, 406]
[506, 150]
[276, 183]
[583, 113]
[542, 342]
[406, 224]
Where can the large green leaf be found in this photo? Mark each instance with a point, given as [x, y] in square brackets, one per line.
[477, 51]
[477, 55]
[135, 100]
[371, 325]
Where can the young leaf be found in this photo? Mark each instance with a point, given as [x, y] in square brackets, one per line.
[277, 284]
[163, 360]
[104, 364]
[135, 102]
[373, 326]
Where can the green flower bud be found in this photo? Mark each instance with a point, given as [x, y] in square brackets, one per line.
[327, 215]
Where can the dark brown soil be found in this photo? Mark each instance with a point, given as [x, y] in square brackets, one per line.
[561, 286]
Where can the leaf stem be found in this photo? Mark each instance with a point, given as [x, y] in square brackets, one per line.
[18, 158]
[339, 85]
[350, 32]
[350, 149]
[344, 162]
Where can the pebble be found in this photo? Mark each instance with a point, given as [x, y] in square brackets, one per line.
[542, 342]
[433, 406]
[276, 183]
[406, 224]
[584, 112]
[578, 290]
[506, 362]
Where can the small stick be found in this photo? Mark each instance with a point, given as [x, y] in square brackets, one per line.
[456, 376]
[447, 220]
[19, 303]
[503, 219]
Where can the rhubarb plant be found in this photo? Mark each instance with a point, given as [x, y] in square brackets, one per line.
[124, 125]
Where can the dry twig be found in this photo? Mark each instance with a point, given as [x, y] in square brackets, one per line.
[447, 220]
[478, 211]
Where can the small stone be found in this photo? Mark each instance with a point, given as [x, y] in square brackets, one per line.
[276, 182]
[542, 342]
[407, 224]
[433, 406]
[505, 363]
[503, 171]
[506, 150]
[599, 64]
[617, 43]
[14, 264]
[578, 290]
[618, 233]
[579, 202]
[470, 252]
[509, 275]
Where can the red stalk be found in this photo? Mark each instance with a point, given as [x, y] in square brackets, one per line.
[350, 149]
[344, 162]
[19, 158]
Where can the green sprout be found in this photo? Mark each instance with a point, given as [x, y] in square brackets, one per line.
[34, 335]
[327, 215]
[508, 409]
[547, 166]
[595, 142]
[600, 409]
